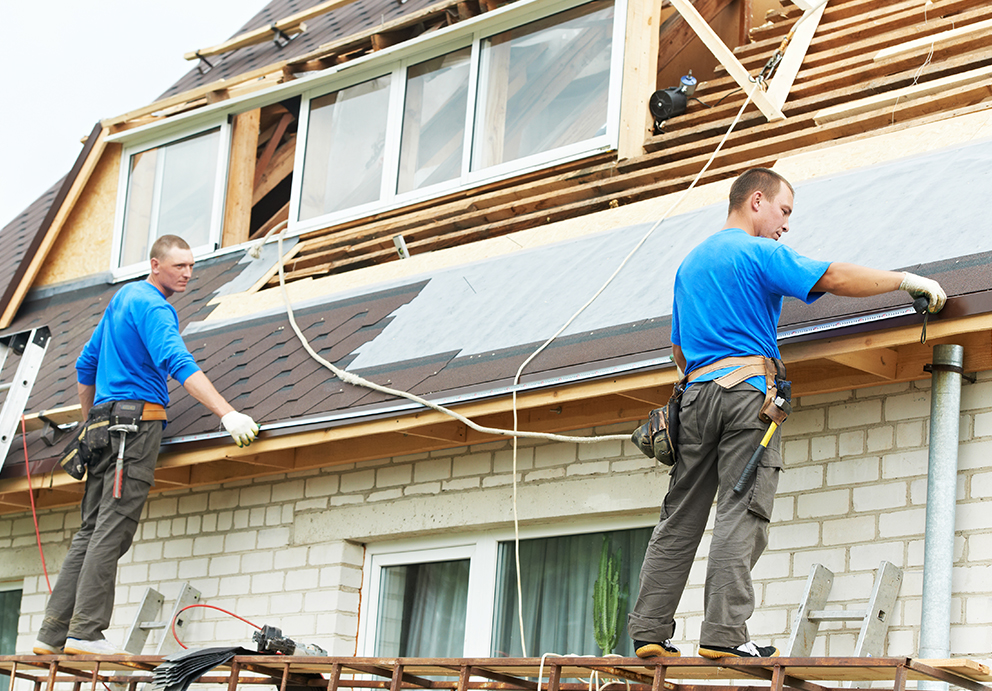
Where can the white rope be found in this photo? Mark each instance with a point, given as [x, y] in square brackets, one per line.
[355, 380]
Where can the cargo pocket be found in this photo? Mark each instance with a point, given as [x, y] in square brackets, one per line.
[766, 481]
[138, 480]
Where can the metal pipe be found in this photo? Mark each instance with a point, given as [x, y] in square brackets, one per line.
[938, 553]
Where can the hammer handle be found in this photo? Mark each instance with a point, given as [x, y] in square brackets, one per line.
[752, 464]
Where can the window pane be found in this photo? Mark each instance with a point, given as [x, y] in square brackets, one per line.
[422, 610]
[10, 612]
[558, 575]
[434, 121]
[346, 136]
[560, 69]
[170, 191]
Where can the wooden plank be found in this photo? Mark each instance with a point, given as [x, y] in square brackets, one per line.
[254, 77]
[289, 25]
[364, 38]
[240, 178]
[640, 75]
[727, 59]
[59, 416]
[977, 29]
[782, 80]
[881, 362]
[904, 95]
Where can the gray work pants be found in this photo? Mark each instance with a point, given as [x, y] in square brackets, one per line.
[719, 432]
[83, 597]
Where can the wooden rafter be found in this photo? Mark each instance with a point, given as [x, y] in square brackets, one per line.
[291, 24]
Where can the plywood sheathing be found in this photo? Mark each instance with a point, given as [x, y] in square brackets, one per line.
[83, 247]
[839, 67]
[44, 234]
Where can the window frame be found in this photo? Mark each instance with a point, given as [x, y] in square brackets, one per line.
[470, 31]
[482, 550]
[474, 36]
[218, 200]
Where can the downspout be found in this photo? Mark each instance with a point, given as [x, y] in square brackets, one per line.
[938, 554]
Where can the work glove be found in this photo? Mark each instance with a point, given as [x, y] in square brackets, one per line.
[918, 286]
[241, 427]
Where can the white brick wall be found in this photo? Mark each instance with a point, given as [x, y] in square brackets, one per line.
[288, 550]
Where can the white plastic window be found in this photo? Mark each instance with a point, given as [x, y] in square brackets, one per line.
[434, 120]
[346, 134]
[518, 93]
[441, 601]
[546, 85]
[172, 188]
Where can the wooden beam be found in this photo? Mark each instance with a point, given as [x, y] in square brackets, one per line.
[976, 29]
[59, 416]
[453, 431]
[272, 145]
[726, 57]
[279, 167]
[241, 178]
[881, 362]
[640, 75]
[785, 75]
[904, 95]
[291, 24]
[255, 76]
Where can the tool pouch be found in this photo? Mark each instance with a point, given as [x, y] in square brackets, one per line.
[126, 413]
[658, 437]
[92, 438]
[778, 393]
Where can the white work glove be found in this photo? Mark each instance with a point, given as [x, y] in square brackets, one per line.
[241, 427]
[918, 285]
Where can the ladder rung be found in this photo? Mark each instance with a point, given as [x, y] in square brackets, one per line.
[837, 615]
[4, 387]
[153, 624]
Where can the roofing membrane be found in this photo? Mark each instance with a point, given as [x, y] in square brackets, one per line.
[469, 327]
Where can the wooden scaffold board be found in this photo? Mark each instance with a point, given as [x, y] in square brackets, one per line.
[552, 673]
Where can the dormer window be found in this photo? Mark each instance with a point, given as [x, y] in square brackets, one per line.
[173, 187]
[521, 93]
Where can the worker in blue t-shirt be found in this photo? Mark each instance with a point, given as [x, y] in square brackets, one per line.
[728, 298]
[134, 349]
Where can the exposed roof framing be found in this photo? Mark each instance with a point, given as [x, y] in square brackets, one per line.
[289, 25]
[838, 68]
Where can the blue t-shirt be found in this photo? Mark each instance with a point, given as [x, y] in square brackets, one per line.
[728, 297]
[134, 348]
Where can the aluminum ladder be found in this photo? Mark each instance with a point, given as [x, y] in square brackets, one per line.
[151, 607]
[31, 346]
[874, 618]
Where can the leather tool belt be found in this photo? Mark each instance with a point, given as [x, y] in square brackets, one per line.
[778, 390]
[658, 437]
[94, 435]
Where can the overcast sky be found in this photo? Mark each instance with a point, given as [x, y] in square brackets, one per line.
[70, 63]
